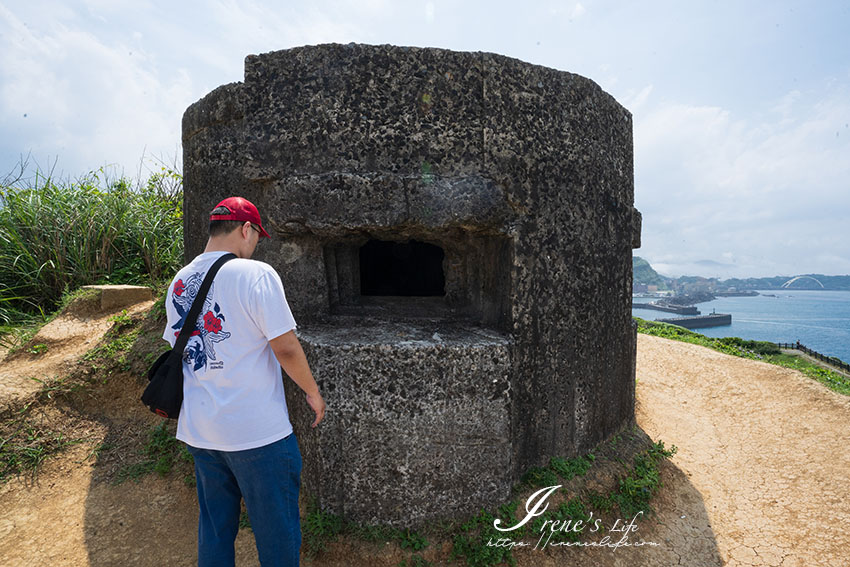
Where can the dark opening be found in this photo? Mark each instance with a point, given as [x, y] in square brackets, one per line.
[401, 268]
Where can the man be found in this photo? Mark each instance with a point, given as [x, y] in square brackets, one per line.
[234, 418]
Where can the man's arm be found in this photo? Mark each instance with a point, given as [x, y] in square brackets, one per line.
[287, 349]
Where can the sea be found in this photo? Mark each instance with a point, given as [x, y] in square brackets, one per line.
[818, 319]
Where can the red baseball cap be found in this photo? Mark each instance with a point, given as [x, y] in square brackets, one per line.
[239, 209]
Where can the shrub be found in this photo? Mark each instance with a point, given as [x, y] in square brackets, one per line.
[57, 236]
[759, 347]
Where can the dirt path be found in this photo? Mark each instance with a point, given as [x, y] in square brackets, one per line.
[56, 348]
[761, 477]
[767, 449]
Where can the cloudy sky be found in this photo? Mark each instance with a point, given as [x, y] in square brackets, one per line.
[741, 108]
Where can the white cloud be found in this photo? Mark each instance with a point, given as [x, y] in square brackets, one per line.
[578, 11]
[251, 27]
[769, 187]
[785, 105]
[634, 101]
[575, 11]
[99, 81]
[429, 12]
[86, 99]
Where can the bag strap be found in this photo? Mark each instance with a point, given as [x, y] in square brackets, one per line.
[197, 304]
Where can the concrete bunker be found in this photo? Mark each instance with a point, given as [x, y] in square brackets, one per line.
[454, 233]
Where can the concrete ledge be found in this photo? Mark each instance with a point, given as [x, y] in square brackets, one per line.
[419, 426]
[116, 296]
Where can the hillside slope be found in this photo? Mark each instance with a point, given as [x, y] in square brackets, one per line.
[759, 479]
[643, 273]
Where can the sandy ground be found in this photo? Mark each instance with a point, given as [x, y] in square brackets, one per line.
[766, 448]
[760, 478]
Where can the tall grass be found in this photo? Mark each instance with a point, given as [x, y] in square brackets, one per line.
[58, 235]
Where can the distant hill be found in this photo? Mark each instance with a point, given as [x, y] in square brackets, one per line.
[805, 281]
[644, 274]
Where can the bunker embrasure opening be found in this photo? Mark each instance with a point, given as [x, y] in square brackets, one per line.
[409, 268]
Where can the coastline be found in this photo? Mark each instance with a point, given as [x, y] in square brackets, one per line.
[819, 319]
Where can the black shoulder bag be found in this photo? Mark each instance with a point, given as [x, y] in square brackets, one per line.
[164, 394]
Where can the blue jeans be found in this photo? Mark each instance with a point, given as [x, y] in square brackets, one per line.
[268, 478]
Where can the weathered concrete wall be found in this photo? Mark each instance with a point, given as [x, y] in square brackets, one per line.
[521, 174]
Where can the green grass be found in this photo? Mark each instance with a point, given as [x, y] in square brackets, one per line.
[121, 349]
[558, 471]
[162, 453]
[25, 444]
[324, 527]
[58, 235]
[539, 476]
[472, 540]
[409, 539]
[569, 468]
[114, 352]
[637, 488]
[37, 349]
[320, 528]
[414, 561]
[14, 336]
[633, 494]
[244, 521]
[755, 350]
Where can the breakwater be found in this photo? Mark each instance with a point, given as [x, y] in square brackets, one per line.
[818, 319]
[668, 308]
[700, 322]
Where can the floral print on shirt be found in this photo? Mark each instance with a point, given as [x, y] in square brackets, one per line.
[208, 328]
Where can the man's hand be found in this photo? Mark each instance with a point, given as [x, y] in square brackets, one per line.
[318, 404]
[287, 349]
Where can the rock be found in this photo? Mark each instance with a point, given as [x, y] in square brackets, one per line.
[114, 297]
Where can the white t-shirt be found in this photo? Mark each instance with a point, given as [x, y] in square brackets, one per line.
[233, 395]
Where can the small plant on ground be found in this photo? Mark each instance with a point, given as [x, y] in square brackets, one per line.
[636, 489]
[539, 476]
[244, 520]
[121, 319]
[414, 561]
[15, 336]
[480, 544]
[25, 444]
[412, 540]
[570, 468]
[117, 346]
[318, 529]
[475, 541]
[162, 452]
